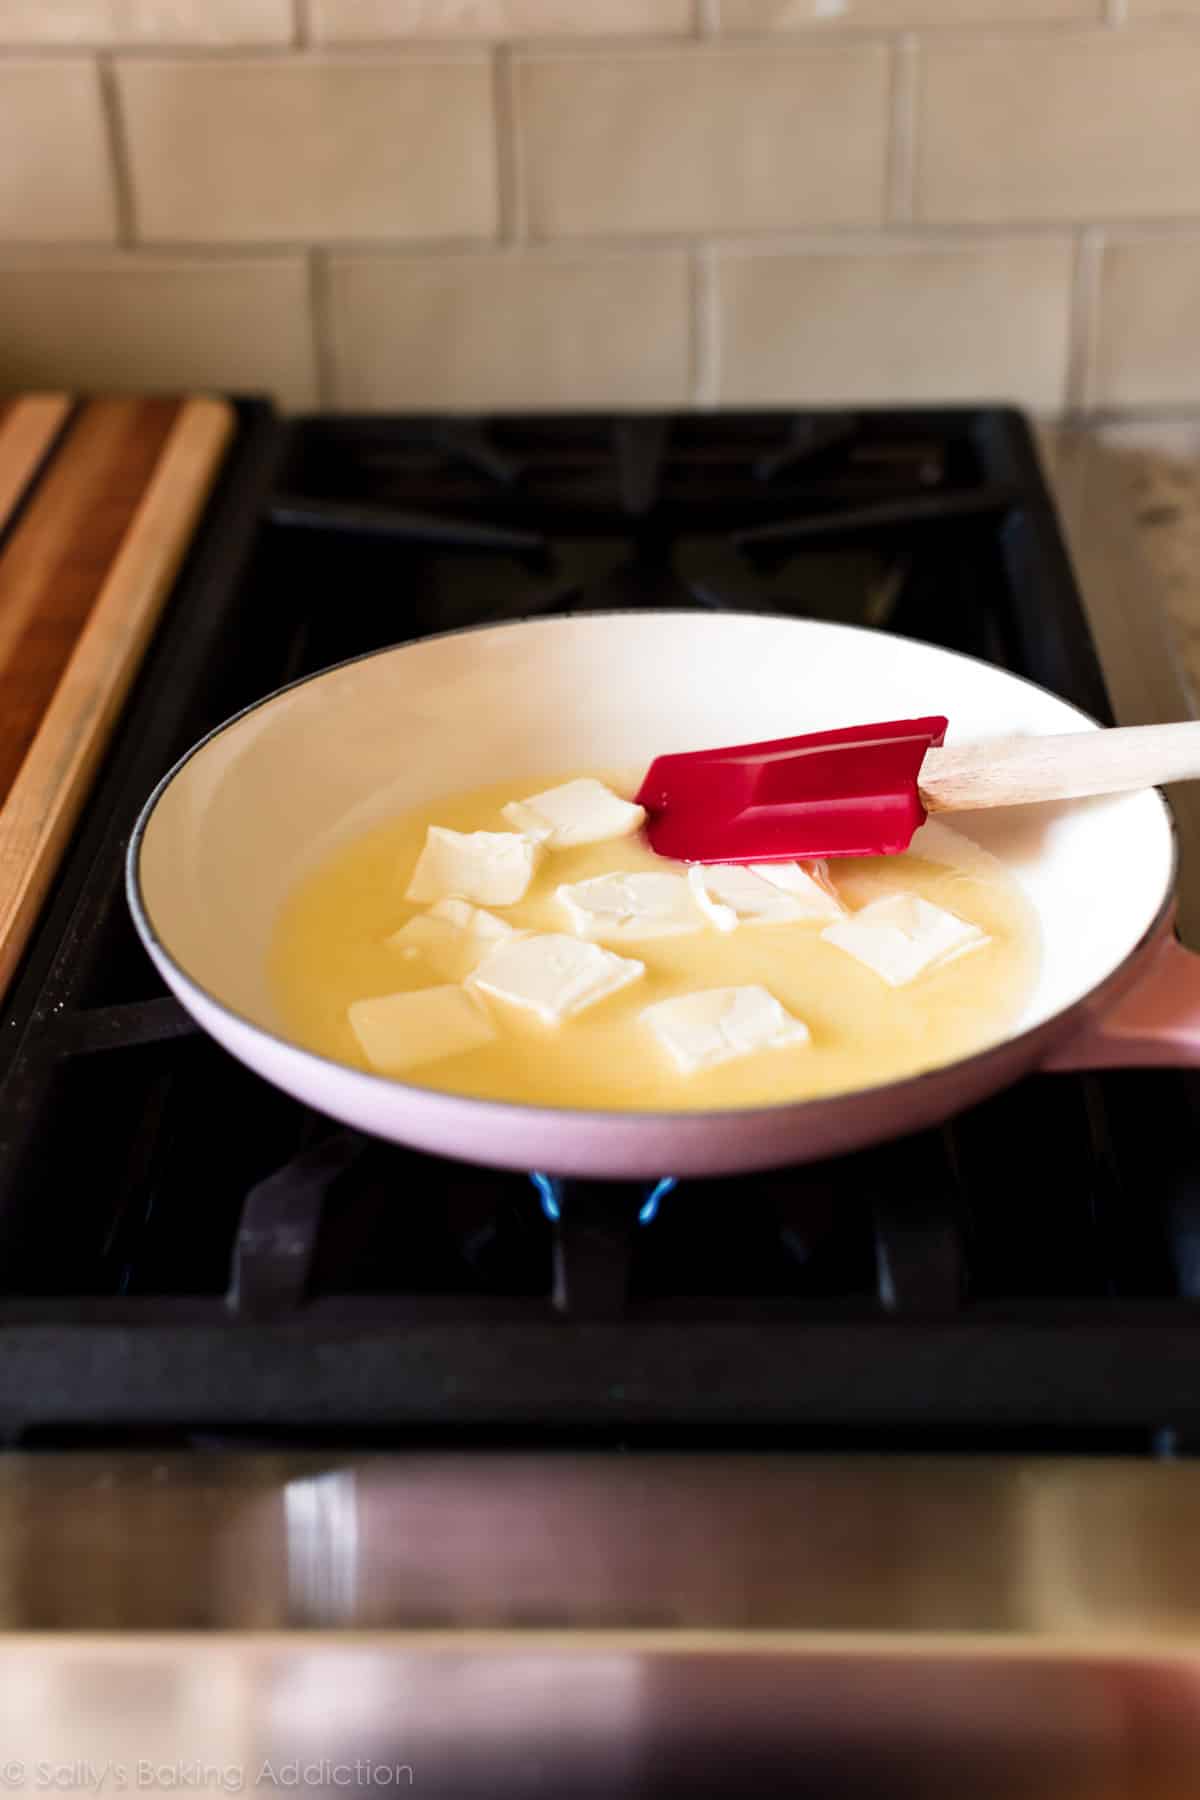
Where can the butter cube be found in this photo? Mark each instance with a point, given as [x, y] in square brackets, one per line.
[630, 906]
[492, 868]
[553, 975]
[701, 1031]
[901, 936]
[578, 812]
[453, 935]
[733, 894]
[401, 1031]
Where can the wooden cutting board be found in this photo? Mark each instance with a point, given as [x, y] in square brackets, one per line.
[99, 499]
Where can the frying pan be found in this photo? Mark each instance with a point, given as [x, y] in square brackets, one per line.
[252, 807]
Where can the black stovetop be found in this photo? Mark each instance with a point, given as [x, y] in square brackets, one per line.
[187, 1254]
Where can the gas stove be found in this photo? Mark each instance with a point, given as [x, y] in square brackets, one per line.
[188, 1257]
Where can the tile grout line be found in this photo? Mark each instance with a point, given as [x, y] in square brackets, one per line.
[856, 240]
[257, 51]
[397, 50]
[120, 169]
[518, 151]
[509, 219]
[320, 312]
[841, 33]
[704, 35]
[1083, 320]
[864, 239]
[900, 178]
[705, 348]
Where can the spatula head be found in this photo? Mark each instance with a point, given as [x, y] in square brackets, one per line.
[851, 792]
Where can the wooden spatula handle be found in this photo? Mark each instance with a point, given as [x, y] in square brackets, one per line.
[1016, 771]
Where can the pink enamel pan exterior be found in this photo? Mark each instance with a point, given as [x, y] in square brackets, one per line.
[250, 809]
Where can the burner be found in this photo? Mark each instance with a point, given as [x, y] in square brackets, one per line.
[551, 1190]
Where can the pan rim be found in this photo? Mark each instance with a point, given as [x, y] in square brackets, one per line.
[1116, 979]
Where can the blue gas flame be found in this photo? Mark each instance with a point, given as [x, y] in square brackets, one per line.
[655, 1197]
[550, 1191]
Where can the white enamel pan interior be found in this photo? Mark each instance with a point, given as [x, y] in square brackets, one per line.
[254, 806]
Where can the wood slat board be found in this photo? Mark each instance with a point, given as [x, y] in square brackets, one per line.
[98, 503]
[28, 427]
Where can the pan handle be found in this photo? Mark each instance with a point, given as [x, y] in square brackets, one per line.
[1155, 1023]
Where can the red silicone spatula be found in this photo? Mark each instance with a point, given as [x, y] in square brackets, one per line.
[864, 790]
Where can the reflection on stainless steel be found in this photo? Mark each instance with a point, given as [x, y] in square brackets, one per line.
[1039, 1550]
[598, 1722]
[506, 1720]
[1112, 1555]
[1031, 1552]
[320, 1520]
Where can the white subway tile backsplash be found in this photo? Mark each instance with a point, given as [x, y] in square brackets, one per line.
[146, 21]
[364, 21]
[703, 140]
[920, 322]
[1147, 338]
[55, 180]
[895, 15]
[604, 202]
[270, 150]
[1073, 127]
[143, 324]
[546, 329]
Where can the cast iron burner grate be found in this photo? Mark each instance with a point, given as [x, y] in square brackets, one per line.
[186, 1253]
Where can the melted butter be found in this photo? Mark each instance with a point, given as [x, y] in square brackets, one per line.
[330, 950]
